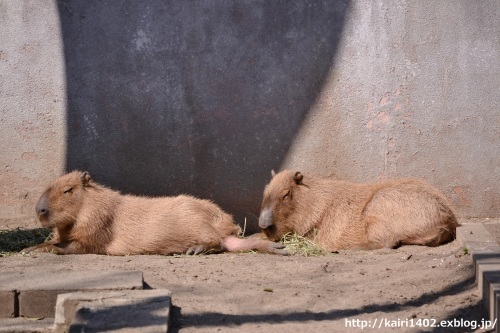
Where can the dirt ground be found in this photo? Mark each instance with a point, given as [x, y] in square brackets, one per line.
[250, 292]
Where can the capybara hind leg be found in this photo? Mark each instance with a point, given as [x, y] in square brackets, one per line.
[379, 235]
[197, 249]
[235, 244]
[433, 238]
[445, 236]
[367, 246]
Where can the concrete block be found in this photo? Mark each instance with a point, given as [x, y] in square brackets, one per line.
[476, 238]
[8, 306]
[485, 252]
[124, 311]
[24, 325]
[490, 288]
[482, 246]
[37, 303]
[37, 292]
[483, 271]
[485, 259]
[495, 321]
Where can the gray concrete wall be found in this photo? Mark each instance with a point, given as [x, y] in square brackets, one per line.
[169, 97]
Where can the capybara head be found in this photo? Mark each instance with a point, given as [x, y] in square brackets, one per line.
[279, 203]
[59, 205]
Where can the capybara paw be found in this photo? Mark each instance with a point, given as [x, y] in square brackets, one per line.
[197, 249]
[35, 249]
[277, 248]
[27, 250]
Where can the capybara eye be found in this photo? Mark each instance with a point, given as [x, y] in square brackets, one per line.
[287, 194]
[68, 190]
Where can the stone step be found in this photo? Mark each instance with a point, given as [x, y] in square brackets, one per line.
[34, 294]
[114, 311]
[485, 252]
[24, 325]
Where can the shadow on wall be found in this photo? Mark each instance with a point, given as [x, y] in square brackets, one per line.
[204, 98]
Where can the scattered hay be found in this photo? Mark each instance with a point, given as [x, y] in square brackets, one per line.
[296, 244]
[13, 241]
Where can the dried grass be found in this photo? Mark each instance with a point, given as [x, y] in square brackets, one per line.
[13, 241]
[298, 245]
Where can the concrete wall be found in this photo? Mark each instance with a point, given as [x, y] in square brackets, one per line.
[414, 91]
[32, 105]
[169, 97]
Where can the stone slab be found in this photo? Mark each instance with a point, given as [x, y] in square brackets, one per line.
[24, 325]
[489, 285]
[485, 252]
[480, 243]
[38, 303]
[476, 238]
[70, 280]
[37, 292]
[494, 323]
[485, 275]
[8, 307]
[113, 311]
[493, 227]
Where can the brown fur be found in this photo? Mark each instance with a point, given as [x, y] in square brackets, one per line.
[89, 218]
[343, 215]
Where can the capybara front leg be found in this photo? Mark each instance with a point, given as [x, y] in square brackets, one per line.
[47, 247]
[56, 248]
[235, 244]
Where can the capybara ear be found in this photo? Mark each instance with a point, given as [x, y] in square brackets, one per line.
[273, 174]
[85, 178]
[298, 178]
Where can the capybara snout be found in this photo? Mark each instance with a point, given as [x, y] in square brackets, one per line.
[266, 218]
[87, 217]
[344, 215]
[41, 208]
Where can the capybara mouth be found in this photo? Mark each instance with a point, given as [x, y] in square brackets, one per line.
[44, 221]
[272, 233]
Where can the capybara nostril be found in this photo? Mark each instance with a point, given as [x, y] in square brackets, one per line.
[41, 206]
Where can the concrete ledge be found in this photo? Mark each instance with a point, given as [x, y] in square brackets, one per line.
[485, 252]
[24, 325]
[491, 292]
[126, 311]
[476, 238]
[36, 293]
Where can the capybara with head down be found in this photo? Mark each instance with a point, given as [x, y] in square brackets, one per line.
[89, 218]
[343, 215]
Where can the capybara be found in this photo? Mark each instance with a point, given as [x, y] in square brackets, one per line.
[343, 215]
[89, 218]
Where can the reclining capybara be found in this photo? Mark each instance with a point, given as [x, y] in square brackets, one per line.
[342, 215]
[89, 218]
